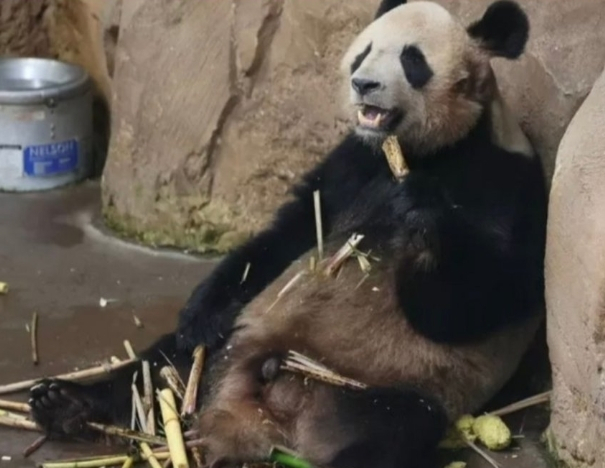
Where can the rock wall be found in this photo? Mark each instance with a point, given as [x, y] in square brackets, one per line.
[220, 106]
[575, 274]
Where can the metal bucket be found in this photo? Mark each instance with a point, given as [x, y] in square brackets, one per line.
[45, 124]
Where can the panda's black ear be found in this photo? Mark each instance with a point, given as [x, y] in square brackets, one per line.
[387, 5]
[503, 30]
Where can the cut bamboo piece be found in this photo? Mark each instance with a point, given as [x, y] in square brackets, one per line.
[190, 398]
[335, 262]
[34, 338]
[318, 224]
[98, 462]
[526, 403]
[8, 414]
[172, 426]
[152, 458]
[128, 463]
[172, 379]
[14, 406]
[148, 398]
[395, 158]
[129, 351]
[71, 376]
[19, 423]
[127, 434]
[296, 362]
[34, 446]
[3, 288]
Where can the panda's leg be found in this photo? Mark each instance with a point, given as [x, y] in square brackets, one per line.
[384, 428]
[63, 408]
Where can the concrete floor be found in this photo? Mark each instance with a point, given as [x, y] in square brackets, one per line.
[57, 263]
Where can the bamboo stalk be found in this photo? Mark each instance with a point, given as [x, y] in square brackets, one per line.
[127, 433]
[197, 457]
[34, 446]
[172, 426]
[296, 362]
[129, 351]
[482, 454]
[148, 398]
[98, 462]
[318, 225]
[8, 414]
[19, 423]
[128, 463]
[522, 404]
[342, 254]
[34, 338]
[190, 398]
[395, 157]
[172, 379]
[151, 457]
[14, 406]
[70, 376]
[245, 275]
[3, 287]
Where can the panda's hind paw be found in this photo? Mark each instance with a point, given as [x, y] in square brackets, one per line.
[62, 408]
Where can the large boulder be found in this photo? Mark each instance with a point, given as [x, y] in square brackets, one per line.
[219, 106]
[575, 287]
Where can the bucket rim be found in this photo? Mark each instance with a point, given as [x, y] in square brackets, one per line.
[73, 80]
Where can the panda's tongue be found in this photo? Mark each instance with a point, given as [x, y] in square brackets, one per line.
[371, 116]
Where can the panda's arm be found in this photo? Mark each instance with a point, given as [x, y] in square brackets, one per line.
[214, 305]
[466, 273]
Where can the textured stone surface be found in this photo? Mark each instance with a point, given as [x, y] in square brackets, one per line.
[220, 106]
[575, 276]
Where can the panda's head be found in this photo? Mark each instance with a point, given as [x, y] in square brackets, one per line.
[420, 74]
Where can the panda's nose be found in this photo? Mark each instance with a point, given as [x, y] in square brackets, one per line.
[364, 86]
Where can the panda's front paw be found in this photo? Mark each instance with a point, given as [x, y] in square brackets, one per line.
[206, 320]
[62, 409]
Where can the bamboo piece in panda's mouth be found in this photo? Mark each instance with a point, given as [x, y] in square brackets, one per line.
[395, 158]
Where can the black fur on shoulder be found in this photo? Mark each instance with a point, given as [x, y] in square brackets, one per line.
[388, 5]
[503, 30]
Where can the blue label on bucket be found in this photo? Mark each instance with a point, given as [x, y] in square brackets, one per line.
[51, 159]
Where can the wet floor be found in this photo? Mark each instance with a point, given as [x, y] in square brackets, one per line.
[58, 264]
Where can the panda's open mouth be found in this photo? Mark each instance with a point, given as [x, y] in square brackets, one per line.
[377, 118]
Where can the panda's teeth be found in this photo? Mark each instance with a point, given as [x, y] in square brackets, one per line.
[370, 118]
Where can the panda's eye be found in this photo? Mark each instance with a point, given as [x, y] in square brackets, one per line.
[416, 70]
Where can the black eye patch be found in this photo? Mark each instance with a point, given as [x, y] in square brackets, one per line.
[360, 58]
[417, 71]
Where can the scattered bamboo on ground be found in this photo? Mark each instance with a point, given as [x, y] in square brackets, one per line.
[190, 398]
[14, 406]
[172, 424]
[8, 414]
[34, 338]
[128, 434]
[129, 350]
[148, 400]
[70, 376]
[152, 458]
[34, 446]
[18, 423]
[3, 288]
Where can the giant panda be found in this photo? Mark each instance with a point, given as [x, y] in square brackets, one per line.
[449, 306]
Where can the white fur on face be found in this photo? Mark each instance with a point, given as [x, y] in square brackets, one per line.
[436, 114]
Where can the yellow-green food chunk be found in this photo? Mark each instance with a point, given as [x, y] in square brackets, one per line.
[457, 464]
[457, 436]
[492, 432]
